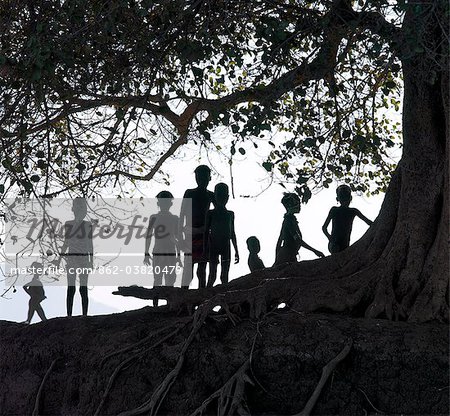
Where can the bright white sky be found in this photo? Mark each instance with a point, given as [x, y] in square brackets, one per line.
[260, 216]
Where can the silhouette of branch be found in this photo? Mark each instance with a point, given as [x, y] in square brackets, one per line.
[41, 387]
[326, 372]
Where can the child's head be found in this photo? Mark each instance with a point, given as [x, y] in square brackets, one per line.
[164, 200]
[79, 207]
[221, 194]
[253, 245]
[291, 202]
[344, 195]
[202, 176]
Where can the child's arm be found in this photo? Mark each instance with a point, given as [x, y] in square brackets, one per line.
[325, 225]
[176, 241]
[26, 287]
[90, 249]
[280, 240]
[206, 232]
[233, 239]
[364, 218]
[148, 240]
[316, 252]
[65, 244]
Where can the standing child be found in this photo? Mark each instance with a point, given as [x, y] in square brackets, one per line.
[342, 220]
[36, 291]
[254, 262]
[192, 225]
[79, 255]
[290, 239]
[166, 255]
[219, 230]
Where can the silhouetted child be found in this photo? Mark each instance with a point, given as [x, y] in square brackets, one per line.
[79, 256]
[219, 230]
[166, 255]
[290, 239]
[36, 291]
[341, 220]
[254, 262]
[193, 226]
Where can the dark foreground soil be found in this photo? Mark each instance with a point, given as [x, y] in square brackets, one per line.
[392, 367]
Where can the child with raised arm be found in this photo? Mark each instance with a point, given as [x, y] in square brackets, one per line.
[36, 291]
[341, 220]
[254, 261]
[163, 226]
[290, 239]
[219, 230]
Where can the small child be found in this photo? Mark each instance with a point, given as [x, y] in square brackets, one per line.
[342, 220]
[254, 262]
[290, 239]
[36, 291]
[219, 229]
[166, 255]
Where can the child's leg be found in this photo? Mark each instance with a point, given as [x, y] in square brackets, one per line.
[212, 273]
[40, 312]
[224, 270]
[225, 260]
[158, 266]
[84, 293]
[188, 271]
[170, 276]
[31, 309]
[71, 277]
[201, 273]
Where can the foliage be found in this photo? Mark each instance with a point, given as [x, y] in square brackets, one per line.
[95, 92]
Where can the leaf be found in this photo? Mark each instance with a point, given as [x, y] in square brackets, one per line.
[267, 166]
[40, 154]
[241, 151]
[142, 140]
[2, 188]
[35, 178]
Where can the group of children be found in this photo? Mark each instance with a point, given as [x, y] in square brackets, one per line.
[290, 240]
[209, 232]
[212, 232]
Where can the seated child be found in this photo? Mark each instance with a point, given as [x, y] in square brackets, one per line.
[219, 229]
[290, 239]
[36, 291]
[254, 262]
[342, 220]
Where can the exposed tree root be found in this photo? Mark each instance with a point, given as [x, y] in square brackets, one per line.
[143, 341]
[128, 361]
[371, 404]
[41, 387]
[230, 396]
[326, 372]
[152, 405]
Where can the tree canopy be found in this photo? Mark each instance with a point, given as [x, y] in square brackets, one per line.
[95, 92]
